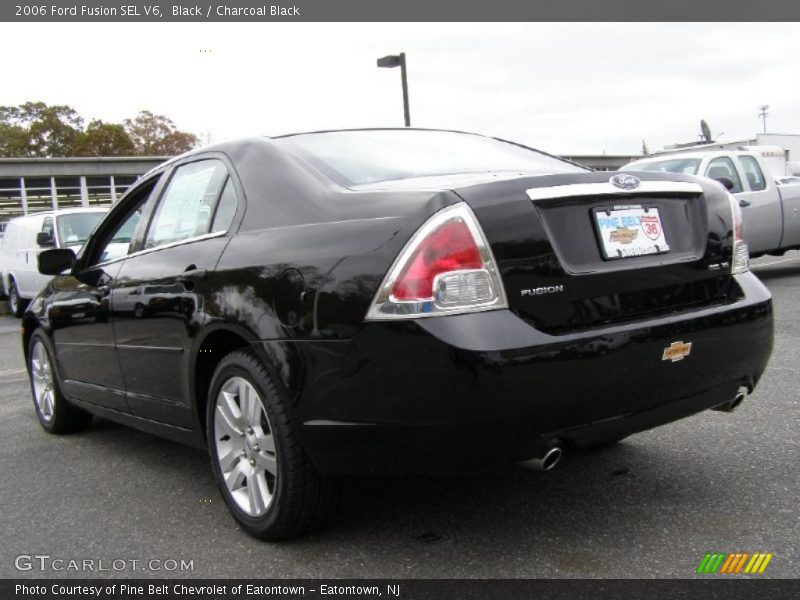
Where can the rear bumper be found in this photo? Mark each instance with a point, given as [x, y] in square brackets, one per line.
[454, 393]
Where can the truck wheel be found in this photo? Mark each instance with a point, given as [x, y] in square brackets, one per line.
[55, 414]
[268, 482]
[16, 304]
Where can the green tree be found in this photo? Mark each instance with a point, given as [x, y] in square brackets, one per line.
[34, 129]
[49, 130]
[14, 140]
[156, 135]
[103, 139]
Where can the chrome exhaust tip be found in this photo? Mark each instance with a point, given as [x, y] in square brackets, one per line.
[732, 405]
[546, 461]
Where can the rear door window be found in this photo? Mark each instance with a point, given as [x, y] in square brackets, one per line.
[753, 174]
[723, 167]
[188, 202]
[226, 209]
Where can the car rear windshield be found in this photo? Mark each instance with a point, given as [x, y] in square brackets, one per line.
[359, 157]
[74, 229]
[687, 166]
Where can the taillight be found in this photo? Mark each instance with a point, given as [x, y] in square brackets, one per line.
[446, 268]
[740, 257]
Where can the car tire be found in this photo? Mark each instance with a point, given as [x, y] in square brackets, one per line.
[265, 477]
[55, 413]
[16, 304]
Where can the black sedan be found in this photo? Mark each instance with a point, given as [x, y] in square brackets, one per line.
[376, 301]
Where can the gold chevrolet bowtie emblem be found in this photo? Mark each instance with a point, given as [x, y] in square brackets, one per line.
[623, 235]
[677, 351]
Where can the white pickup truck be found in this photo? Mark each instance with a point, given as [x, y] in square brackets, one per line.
[771, 213]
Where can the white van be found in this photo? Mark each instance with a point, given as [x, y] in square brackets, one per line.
[26, 236]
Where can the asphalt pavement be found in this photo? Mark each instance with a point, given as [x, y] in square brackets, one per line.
[651, 506]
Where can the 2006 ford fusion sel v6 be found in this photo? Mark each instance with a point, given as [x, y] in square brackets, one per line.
[376, 301]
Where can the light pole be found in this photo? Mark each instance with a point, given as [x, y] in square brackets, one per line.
[399, 60]
[762, 112]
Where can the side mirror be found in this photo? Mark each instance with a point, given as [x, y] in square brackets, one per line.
[56, 261]
[45, 239]
[727, 182]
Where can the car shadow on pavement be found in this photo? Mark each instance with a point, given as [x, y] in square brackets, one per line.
[775, 272]
[633, 486]
[588, 490]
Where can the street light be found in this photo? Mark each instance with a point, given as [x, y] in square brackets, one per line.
[399, 60]
[762, 112]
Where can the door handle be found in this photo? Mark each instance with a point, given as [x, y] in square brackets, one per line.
[193, 275]
[744, 203]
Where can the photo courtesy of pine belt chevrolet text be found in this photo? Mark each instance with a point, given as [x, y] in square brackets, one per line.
[387, 301]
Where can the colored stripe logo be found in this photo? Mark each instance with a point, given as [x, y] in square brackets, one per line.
[731, 564]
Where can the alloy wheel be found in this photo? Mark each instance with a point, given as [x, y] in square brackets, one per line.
[245, 446]
[42, 373]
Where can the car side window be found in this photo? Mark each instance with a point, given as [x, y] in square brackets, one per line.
[226, 209]
[187, 204]
[723, 167]
[119, 242]
[753, 173]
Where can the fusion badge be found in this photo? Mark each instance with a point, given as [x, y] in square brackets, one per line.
[677, 351]
[540, 291]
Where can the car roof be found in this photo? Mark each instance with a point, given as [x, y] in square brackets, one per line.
[222, 146]
[356, 129]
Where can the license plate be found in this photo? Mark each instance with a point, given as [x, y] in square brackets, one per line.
[626, 231]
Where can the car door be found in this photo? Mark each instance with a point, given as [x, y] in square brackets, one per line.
[79, 310]
[159, 295]
[762, 213]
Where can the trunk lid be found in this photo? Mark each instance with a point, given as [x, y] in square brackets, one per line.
[545, 234]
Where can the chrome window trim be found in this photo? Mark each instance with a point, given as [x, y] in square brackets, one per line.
[197, 238]
[607, 188]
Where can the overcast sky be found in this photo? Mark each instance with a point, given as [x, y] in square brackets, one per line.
[564, 88]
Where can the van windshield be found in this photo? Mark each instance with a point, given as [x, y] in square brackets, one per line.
[74, 229]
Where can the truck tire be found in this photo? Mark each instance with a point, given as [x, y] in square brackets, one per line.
[16, 304]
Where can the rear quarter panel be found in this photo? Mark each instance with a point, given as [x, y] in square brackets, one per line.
[315, 280]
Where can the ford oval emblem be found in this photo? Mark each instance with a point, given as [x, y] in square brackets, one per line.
[624, 181]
